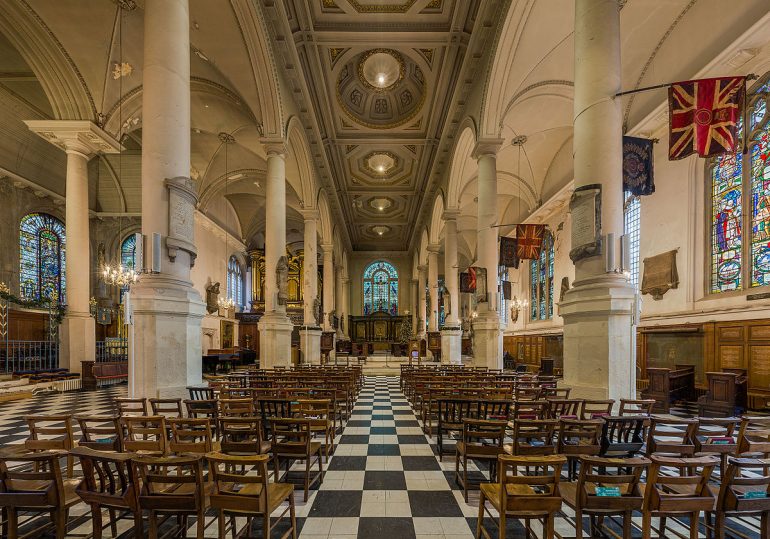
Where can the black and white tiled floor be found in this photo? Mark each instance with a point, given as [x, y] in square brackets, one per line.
[383, 481]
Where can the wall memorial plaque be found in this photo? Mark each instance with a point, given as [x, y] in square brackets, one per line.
[586, 209]
[660, 274]
[181, 217]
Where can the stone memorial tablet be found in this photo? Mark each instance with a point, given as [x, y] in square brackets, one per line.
[585, 206]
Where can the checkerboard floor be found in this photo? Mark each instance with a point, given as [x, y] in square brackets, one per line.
[383, 481]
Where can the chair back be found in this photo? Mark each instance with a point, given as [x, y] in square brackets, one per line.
[125, 406]
[671, 435]
[290, 436]
[190, 436]
[754, 435]
[536, 493]
[272, 407]
[166, 407]
[452, 412]
[555, 392]
[534, 437]
[610, 484]
[579, 436]
[171, 484]
[683, 492]
[145, 434]
[47, 432]
[494, 410]
[623, 436]
[530, 409]
[41, 471]
[102, 433]
[239, 492]
[564, 408]
[636, 406]
[527, 393]
[109, 479]
[202, 408]
[745, 486]
[240, 435]
[233, 407]
[484, 433]
[593, 409]
[199, 393]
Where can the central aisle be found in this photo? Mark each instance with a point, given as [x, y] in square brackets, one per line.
[384, 480]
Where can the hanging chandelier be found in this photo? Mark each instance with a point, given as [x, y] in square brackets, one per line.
[226, 303]
[119, 275]
[519, 304]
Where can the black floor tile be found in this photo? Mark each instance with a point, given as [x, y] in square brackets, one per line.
[385, 528]
[407, 423]
[383, 450]
[412, 439]
[359, 423]
[336, 503]
[419, 463]
[354, 439]
[348, 463]
[440, 503]
[382, 430]
[383, 480]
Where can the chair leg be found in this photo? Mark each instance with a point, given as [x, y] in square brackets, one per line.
[578, 524]
[96, 521]
[501, 531]
[694, 524]
[201, 524]
[646, 525]
[12, 523]
[153, 521]
[548, 532]
[627, 525]
[61, 523]
[113, 522]
[233, 529]
[138, 524]
[292, 517]
[307, 475]
[662, 530]
[479, 524]
[221, 525]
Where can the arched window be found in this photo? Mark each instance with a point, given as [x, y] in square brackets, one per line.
[380, 288]
[41, 257]
[234, 281]
[631, 228]
[128, 252]
[740, 240]
[541, 281]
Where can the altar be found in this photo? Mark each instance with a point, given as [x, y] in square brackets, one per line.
[377, 332]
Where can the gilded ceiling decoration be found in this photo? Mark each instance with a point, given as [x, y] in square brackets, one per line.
[381, 89]
[364, 6]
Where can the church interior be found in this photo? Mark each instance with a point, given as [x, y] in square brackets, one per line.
[385, 268]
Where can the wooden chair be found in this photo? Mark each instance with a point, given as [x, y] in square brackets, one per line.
[578, 438]
[588, 497]
[529, 409]
[33, 483]
[533, 437]
[494, 409]
[274, 407]
[593, 409]
[566, 408]
[145, 435]
[166, 407]
[623, 437]
[242, 436]
[742, 494]
[671, 436]
[173, 486]
[102, 433]
[482, 440]
[670, 494]
[716, 436]
[451, 413]
[754, 435]
[125, 406]
[236, 494]
[51, 432]
[190, 436]
[319, 413]
[110, 481]
[636, 406]
[198, 393]
[292, 439]
[555, 393]
[235, 407]
[208, 408]
[523, 496]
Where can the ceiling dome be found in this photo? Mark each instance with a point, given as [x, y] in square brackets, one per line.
[380, 89]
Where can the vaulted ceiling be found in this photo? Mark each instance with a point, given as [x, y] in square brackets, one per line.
[377, 79]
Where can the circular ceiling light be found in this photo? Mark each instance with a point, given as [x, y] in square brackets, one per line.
[380, 204]
[381, 163]
[380, 229]
[382, 68]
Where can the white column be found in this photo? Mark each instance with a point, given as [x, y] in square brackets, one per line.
[488, 340]
[451, 335]
[328, 290]
[275, 327]
[338, 304]
[433, 286]
[598, 354]
[346, 307]
[422, 279]
[310, 332]
[413, 303]
[80, 139]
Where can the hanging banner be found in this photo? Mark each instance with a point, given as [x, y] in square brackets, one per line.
[529, 240]
[508, 255]
[637, 166]
[507, 290]
[480, 283]
[467, 284]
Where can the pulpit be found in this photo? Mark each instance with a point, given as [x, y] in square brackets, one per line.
[434, 344]
[327, 344]
[417, 346]
[726, 395]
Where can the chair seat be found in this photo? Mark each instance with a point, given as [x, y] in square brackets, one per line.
[478, 451]
[70, 495]
[492, 492]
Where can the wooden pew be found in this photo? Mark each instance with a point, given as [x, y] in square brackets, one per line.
[670, 385]
[98, 373]
[726, 395]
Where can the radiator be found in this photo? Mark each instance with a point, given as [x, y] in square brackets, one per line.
[72, 384]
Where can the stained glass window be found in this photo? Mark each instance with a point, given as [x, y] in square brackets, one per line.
[41, 256]
[380, 288]
[739, 181]
[128, 252]
[234, 281]
[541, 281]
[441, 310]
[631, 210]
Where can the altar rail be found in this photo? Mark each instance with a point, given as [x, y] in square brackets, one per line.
[18, 356]
[112, 350]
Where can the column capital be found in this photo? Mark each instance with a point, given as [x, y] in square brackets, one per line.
[422, 267]
[345, 281]
[434, 248]
[487, 146]
[310, 214]
[414, 281]
[275, 146]
[81, 136]
[451, 214]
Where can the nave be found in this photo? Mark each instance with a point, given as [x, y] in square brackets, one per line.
[384, 479]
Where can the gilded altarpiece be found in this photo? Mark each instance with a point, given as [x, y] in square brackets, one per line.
[294, 288]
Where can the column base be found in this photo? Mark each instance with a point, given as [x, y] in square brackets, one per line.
[78, 341]
[275, 340]
[165, 341]
[310, 344]
[599, 360]
[451, 345]
[487, 341]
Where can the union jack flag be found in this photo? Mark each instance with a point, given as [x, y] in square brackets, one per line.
[704, 116]
[529, 240]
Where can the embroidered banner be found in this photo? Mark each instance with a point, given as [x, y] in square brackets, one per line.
[637, 166]
[507, 290]
[704, 116]
[479, 277]
[467, 285]
[508, 256]
[529, 240]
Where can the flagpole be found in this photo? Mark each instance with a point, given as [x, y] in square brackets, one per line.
[750, 76]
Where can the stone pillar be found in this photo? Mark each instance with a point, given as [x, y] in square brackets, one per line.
[422, 278]
[413, 302]
[451, 334]
[80, 139]
[598, 353]
[338, 303]
[488, 340]
[310, 332]
[328, 289]
[433, 286]
[275, 327]
[346, 306]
